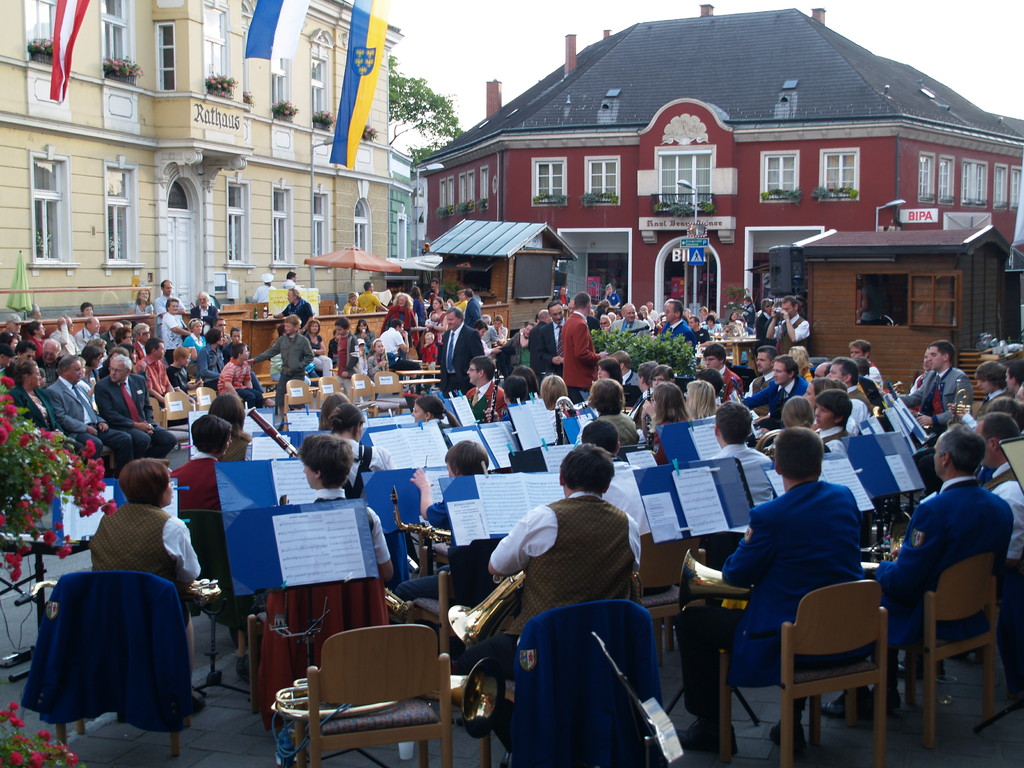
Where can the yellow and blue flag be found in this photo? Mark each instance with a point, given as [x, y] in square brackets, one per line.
[365, 59]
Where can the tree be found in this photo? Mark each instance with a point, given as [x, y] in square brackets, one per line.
[417, 112]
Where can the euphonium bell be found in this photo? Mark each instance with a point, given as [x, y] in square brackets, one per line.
[697, 582]
[471, 625]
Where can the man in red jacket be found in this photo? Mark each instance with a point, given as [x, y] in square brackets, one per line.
[197, 478]
[579, 368]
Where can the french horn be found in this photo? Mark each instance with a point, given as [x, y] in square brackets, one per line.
[698, 582]
[471, 625]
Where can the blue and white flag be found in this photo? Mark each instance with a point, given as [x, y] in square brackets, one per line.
[275, 29]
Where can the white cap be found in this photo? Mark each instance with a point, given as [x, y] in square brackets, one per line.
[360, 341]
[268, 277]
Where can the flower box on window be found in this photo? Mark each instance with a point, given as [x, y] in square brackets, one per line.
[445, 211]
[221, 85]
[599, 198]
[323, 119]
[466, 207]
[786, 195]
[370, 133]
[549, 199]
[248, 99]
[41, 49]
[284, 110]
[837, 193]
[123, 70]
[481, 205]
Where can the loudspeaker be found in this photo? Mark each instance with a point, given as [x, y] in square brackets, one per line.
[786, 270]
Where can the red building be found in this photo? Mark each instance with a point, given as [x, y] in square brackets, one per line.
[785, 128]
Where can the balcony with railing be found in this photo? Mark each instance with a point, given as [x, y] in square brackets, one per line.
[680, 205]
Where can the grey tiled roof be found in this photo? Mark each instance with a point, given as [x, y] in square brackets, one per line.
[497, 239]
[737, 63]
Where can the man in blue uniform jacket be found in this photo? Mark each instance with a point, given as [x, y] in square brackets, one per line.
[960, 521]
[806, 539]
[786, 383]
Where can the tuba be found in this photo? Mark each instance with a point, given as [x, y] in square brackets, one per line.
[471, 625]
[698, 582]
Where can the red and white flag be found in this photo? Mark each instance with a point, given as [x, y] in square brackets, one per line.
[69, 20]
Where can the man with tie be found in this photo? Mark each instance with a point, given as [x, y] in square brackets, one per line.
[786, 383]
[122, 402]
[630, 323]
[486, 398]
[76, 416]
[939, 388]
[460, 346]
[546, 350]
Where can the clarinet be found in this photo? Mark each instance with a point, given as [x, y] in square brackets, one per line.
[273, 434]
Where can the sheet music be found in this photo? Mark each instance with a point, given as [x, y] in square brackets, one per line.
[661, 517]
[412, 448]
[542, 488]
[468, 523]
[316, 547]
[704, 439]
[841, 472]
[504, 501]
[263, 447]
[303, 421]
[641, 459]
[526, 429]
[698, 496]
[899, 471]
[463, 410]
[543, 421]
[290, 480]
[434, 475]
[500, 440]
[172, 508]
[470, 434]
[553, 455]
[872, 426]
[76, 526]
[775, 479]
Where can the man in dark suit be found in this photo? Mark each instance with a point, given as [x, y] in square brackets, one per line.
[938, 391]
[461, 344]
[544, 357]
[76, 416]
[785, 384]
[113, 395]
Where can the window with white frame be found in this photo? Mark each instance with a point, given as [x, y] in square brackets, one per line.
[361, 221]
[839, 169]
[926, 178]
[238, 223]
[280, 246]
[691, 167]
[779, 171]
[1014, 187]
[39, 18]
[470, 186]
[603, 177]
[402, 235]
[973, 183]
[485, 182]
[451, 190]
[120, 194]
[549, 178]
[946, 179]
[116, 30]
[49, 201]
[318, 84]
[462, 187]
[165, 55]
[215, 37]
[999, 177]
[280, 89]
[321, 206]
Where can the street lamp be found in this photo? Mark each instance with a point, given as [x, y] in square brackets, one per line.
[417, 203]
[693, 191]
[890, 204]
[312, 209]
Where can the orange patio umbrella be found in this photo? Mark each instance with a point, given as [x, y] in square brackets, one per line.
[352, 258]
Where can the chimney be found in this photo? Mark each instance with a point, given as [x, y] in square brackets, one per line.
[818, 14]
[607, 34]
[493, 97]
[570, 53]
[707, 10]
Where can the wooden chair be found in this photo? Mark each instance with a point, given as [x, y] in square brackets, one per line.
[435, 611]
[660, 568]
[329, 385]
[388, 384]
[159, 414]
[361, 389]
[177, 406]
[964, 589]
[297, 392]
[397, 663]
[830, 620]
[205, 397]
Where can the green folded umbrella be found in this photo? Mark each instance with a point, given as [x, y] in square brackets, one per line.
[21, 300]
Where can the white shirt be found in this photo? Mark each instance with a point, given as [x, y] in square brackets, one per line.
[835, 446]
[766, 377]
[1012, 494]
[85, 335]
[178, 544]
[801, 331]
[622, 493]
[449, 344]
[171, 339]
[85, 416]
[160, 304]
[380, 546]
[535, 534]
[262, 294]
[392, 339]
[752, 461]
[859, 414]
[379, 459]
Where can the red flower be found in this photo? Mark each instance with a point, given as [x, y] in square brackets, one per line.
[16, 758]
[26, 439]
[10, 410]
[49, 537]
[44, 735]
[7, 381]
[36, 760]
[89, 450]
[63, 552]
[109, 508]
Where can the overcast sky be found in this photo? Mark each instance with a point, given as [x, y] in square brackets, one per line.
[458, 45]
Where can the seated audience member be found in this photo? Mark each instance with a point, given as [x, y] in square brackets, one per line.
[48, 361]
[831, 412]
[25, 350]
[486, 398]
[231, 408]
[211, 361]
[607, 401]
[155, 370]
[463, 459]
[714, 358]
[6, 357]
[732, 428]
[700, 399]
[197, 478]
[90, 330]
[236, 377]
[29, 392]
[327, 460]
[609, 368]
[781, 564]
[122, 401]
[797, 412]
[177, 374]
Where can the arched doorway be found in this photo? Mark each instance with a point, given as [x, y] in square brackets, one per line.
[674, 279]
[181, 251]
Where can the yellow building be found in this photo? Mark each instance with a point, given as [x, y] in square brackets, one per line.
[171, 174]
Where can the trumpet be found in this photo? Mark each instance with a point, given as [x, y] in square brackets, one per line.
[471, 625]
[438, 535]
[961, 406]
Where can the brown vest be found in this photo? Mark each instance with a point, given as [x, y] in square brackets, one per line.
[1006, 477]
[756, 386]
[983, 407]
[591, 560]
[785, 343]
[131, 539]
[857, 394]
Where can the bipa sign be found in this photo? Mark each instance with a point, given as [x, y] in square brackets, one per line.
[919, 216]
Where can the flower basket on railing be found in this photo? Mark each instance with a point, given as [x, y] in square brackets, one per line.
[323, 119]
[123, 70]
[284, 110]
[221, 85]
[41, 49]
